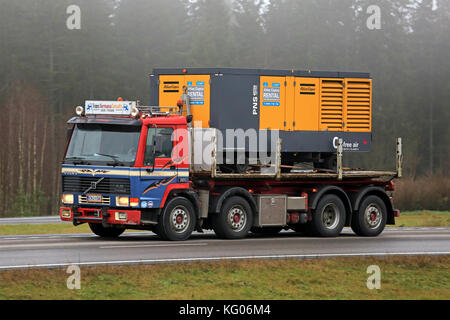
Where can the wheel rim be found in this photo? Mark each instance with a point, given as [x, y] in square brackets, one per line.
[330, 216]
[237, 218]
[372, 216]
[179, 219]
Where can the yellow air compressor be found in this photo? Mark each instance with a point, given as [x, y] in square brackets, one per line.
[310, 110]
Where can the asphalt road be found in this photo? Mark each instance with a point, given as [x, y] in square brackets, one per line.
[32, 251]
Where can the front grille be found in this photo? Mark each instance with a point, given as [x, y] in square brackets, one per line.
[106, 186]
[83, 199]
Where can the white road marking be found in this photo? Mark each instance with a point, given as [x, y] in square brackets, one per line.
[155, 245]
[96, 244]
[205, 259]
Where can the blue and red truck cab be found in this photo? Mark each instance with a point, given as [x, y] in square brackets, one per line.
[119, 172]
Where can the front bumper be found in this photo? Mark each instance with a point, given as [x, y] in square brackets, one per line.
[103, 215]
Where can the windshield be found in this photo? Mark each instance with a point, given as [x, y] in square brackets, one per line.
[114, 145]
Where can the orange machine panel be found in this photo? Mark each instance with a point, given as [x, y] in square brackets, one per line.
[306, 109]
[198, 88]
[199, 92]
[170, 90]
[332, 105]
[358, 93]
[273, 103]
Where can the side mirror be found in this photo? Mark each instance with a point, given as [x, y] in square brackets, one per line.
[189, 118]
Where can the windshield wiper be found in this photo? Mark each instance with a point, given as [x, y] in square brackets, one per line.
[106, 155]
[73, 159]
[115, 163]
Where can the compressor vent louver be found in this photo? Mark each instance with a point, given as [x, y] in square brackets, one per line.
[358, 105]
[331, 105]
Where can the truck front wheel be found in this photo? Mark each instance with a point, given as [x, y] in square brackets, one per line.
[177, 220]
[234, 219]
[329, 217]
[370, 219]
[103, 232]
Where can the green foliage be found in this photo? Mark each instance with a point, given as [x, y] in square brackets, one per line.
[26, 205]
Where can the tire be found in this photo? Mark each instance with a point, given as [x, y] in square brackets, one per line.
[103, 232]
[266, 230]
[371, 217]
[177, 220]
[234, 219]
[328, 218]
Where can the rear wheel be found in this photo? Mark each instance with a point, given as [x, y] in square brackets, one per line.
[329, 217]
[177, 220]
[371, 217]
[108, 232]
[234, 219]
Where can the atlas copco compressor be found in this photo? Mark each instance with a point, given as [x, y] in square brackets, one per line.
[310, 110]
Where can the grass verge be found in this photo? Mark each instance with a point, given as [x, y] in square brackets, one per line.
[53, 228]
[50, 228]
[421, 277]
[424, 218]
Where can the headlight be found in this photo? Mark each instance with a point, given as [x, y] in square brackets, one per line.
[67, 198]
[122, 201]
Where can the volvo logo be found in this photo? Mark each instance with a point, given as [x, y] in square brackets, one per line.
[93, 185]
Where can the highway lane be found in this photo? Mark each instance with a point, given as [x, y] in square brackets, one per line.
[28, 251]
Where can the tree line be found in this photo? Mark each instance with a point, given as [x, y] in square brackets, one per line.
[47, 68]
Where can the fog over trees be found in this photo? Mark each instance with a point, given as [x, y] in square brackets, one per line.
[46, 69]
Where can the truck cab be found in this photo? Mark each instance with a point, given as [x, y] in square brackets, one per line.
[118, 168]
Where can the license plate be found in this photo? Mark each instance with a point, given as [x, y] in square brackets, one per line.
[94, 198]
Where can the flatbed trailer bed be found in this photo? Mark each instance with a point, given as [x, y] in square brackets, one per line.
[346, 175]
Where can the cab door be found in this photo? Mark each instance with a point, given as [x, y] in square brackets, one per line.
[158, 170]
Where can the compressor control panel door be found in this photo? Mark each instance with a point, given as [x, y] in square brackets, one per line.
[198, 89]
[273, 103]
